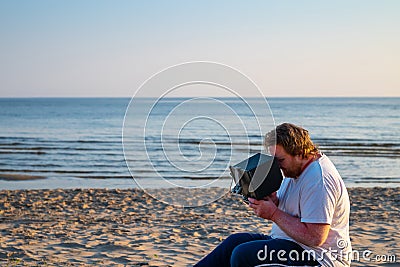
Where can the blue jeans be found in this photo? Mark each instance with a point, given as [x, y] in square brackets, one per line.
[245, 249]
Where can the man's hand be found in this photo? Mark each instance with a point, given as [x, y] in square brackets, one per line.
[265, 208]
[273, 197]
[311, 234]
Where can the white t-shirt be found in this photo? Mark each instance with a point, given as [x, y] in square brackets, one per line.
[319, 196]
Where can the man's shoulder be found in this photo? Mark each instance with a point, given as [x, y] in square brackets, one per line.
[322, 173]
[322, 169]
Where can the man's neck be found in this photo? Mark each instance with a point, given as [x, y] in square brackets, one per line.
[308, 160]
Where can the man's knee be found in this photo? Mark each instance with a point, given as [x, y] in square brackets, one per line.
[234, 240]
[236, 257]
[241, 255]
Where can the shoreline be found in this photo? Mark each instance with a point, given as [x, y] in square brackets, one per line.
[18, 181]
[20, 177]
[127, 227]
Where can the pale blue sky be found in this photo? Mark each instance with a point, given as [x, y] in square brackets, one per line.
[288, 48]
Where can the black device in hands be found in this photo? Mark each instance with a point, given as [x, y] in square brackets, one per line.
[256, 177]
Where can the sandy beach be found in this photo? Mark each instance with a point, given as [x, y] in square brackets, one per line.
[100, 227]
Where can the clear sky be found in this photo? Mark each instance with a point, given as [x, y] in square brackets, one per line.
[101, 48]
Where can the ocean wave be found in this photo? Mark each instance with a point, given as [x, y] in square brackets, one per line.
[355, 147]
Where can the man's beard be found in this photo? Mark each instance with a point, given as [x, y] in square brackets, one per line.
[293, 172]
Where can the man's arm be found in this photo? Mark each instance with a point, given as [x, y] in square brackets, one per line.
[310, 234]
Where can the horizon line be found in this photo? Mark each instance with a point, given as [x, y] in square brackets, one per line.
[177, 97]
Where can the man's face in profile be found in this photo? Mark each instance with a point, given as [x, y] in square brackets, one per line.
[290, 165]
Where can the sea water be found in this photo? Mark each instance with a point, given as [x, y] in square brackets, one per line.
[78, 142]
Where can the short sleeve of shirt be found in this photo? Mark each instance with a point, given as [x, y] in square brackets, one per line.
[318, 201]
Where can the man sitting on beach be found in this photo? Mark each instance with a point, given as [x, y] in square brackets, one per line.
[310, 211]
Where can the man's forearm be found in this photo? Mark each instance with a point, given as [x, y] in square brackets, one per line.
[308, 234]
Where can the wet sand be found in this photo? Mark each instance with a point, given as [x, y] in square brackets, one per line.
[19, 177]
[100, 227]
